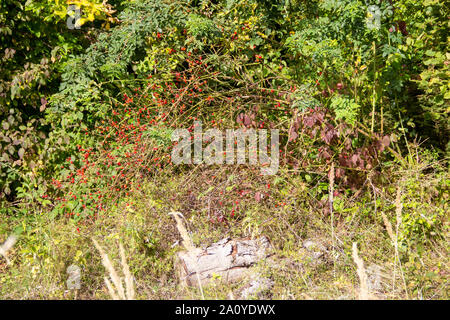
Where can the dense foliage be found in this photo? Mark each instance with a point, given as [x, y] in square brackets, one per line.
[357, 88]
[35, 45]
[388, 75]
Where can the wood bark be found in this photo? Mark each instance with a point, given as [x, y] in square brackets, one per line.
[230, 260]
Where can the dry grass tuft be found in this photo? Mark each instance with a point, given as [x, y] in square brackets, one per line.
[388, 227]
[117, 292]
[187, 242]
[363, 289]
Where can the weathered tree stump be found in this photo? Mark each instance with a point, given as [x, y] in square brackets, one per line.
[229, 259]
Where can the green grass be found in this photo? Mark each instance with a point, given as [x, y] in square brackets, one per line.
[290, 213]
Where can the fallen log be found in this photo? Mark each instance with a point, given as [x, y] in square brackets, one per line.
[230, 260]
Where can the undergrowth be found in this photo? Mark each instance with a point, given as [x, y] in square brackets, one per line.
[362, 112]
